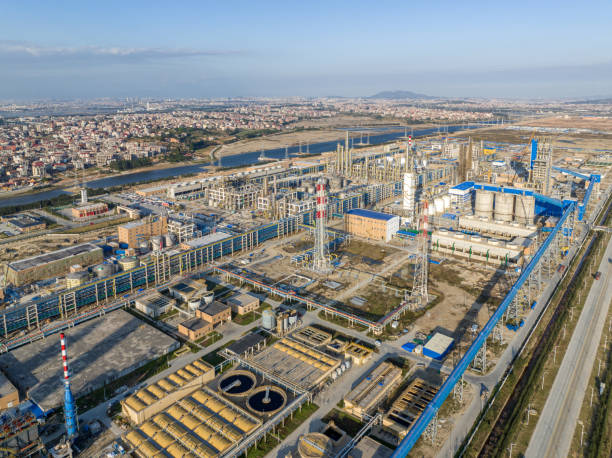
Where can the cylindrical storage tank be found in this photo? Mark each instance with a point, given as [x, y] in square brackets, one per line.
[169, 240]
[334, 376]
[104, 270]
[348, 363]
[74, 279]
[447, 201]
[292, 319]
[157, 243]
[338, 371]
[484, 203]
[285, 321]
[114, 245]
[143, 247]
[524, 209]
[439, 204]
[208, 297]
[504, 206]
[279, 323]
[194, 303]
[476, 238]
[268, 319]
[128, 263]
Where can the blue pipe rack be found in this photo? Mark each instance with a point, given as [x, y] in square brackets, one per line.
[445, 390]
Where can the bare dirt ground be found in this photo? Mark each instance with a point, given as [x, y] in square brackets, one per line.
[575, 122]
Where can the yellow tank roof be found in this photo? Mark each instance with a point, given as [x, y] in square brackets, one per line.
[166, 385]
[157, 391]
[134, 403]
[145, 397]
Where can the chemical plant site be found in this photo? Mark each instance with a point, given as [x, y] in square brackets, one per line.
[368, 301]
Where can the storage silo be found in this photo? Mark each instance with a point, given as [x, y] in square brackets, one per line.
[504, 206]
[439, 205]
[524, 209]
[74, 279]
[157, 243]
[484, 204]
[128, 263]
[104, 270]
[268, 319]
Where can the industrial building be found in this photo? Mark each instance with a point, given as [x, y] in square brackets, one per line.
[19, 434]
[242, 303]
[52, 264]
[205, 240]
[371, 225]
[154, 304]
[215, 313]
[438, 346]
[407, 407]
[364, 399]
[476, 247]
[151, 400]
[369, 448]
[9, 395]
[24, 223]
[90, 210]
[247, 345]
[195, 328]
[133, 232]
[186, 289]
[296, 363]
[182, 230]
[358, 353]
[97, 352]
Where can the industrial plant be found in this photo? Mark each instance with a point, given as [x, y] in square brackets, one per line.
[235, 301]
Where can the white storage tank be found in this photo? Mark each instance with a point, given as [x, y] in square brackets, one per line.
[439, 205]
[348, 363]
[447, 202]
[128, 263]
[504, 206]
[194, 303]
[143, 247]
[104, 270]
[157, 243]
[268, 320]
[169, 240]
[293, 319]
[484, 203]
[208, 297]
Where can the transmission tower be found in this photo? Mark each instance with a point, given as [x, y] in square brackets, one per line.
[320, 258]
[419, 296]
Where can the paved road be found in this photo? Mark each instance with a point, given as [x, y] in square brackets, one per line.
[491, 379]
[555, 428]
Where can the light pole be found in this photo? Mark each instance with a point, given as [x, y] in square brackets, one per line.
[510, 449]
[582, 432]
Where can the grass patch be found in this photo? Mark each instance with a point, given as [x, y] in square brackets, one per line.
[213, 358]
[341, 321]
[345, 421]
[365, 249]
[247, 318]
[210, 339]
[282, 431]
[94, 227]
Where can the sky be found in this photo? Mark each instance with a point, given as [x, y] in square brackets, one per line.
[210, 49]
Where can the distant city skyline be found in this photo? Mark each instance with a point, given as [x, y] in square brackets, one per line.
[266, 49]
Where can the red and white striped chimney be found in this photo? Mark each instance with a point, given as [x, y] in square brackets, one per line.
[64, 357]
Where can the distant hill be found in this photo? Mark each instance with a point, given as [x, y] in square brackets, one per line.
[398, 95]
[604, 101]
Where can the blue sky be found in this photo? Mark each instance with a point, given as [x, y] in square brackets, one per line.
[267, 48]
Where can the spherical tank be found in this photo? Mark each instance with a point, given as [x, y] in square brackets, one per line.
[524, 210]
[484, 203]
[268, 319]
[504, 206]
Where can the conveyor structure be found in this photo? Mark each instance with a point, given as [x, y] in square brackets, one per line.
[592, 179]
[431, 411]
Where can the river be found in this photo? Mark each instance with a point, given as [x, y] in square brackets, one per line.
[377, 137]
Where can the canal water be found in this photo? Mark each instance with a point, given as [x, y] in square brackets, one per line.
[377, 136]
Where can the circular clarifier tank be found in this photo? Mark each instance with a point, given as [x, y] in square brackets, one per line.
[237, 383]
[267, 400]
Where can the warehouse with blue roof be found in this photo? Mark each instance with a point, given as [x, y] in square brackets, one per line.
[371, 224]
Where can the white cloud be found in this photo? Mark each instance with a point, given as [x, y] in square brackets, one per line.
[24, 51]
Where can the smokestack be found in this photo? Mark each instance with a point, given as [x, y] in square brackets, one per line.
[346, 153]
[69, 403]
